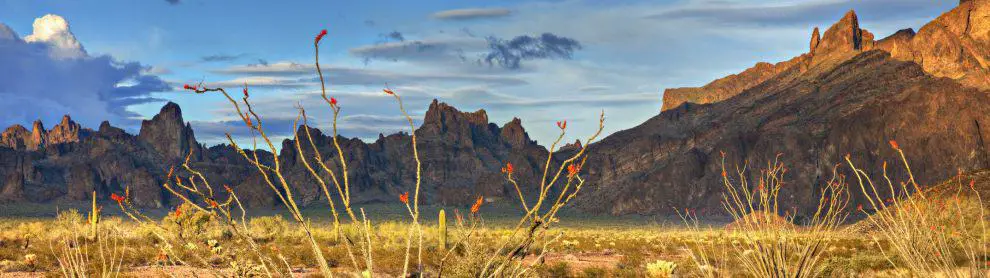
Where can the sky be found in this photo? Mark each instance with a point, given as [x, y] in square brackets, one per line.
[540, 61]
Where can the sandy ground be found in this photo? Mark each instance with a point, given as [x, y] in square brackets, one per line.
[576, 261]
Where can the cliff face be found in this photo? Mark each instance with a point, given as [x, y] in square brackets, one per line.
[849, 94]
[461, 154]
[955, 45]
[813, 120]
[19, 138]
[168, 134]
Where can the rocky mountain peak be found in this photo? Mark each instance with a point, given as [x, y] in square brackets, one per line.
[65, 132]
[451, 124]
[514, 133]
[441, 113]
[571, 146]
[842, 39]
[16, 137]
[168, 134]
[38, 135]
[815, 39]
[954, 45]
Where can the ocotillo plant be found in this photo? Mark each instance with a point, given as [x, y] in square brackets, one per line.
[443, 230]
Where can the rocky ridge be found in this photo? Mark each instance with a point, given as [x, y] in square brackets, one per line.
[848, 95]
[955, 45]
[461, 154]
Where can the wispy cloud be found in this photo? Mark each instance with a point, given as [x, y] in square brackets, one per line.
[222, 57]
[430, 50]
[283, 72]
[762, 14]
[510, 53]
[469, 14]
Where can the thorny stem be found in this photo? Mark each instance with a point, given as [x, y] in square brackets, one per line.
[415, 209]
[257, 125]
[533, 213]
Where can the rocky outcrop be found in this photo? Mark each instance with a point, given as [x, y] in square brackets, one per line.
[856, 106]
[842, 39]
[729, 86]
[461, 154]
[17, 137]
[66, 131]
[169, 134]
[38, 135]
[815, 40]
[955, 45]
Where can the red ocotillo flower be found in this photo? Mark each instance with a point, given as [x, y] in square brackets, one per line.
[178, 211]
[117, 198]
[245, 92]
[320, 36]
[227, 187]
[894, 145]
[213, 203]
[972, 184]
[477, 205]
[507, 169]
[388, 91]
[247, 120]
[333, 101]
[562, 124]
[572, 170]
[404, 198]
[859, 207]
[189, 87]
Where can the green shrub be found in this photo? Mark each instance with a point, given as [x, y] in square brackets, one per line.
[187, 221]
[594, 272]
[268, 227]
[559, 269]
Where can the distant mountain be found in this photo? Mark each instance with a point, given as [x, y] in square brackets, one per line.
[848, 94]
[461, 154]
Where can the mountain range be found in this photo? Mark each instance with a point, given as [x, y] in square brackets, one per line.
[849, 94]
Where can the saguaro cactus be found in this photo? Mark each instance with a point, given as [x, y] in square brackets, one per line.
[94, 217]
[443, 230]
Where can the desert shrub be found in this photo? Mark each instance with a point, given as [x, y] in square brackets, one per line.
[765, 243]
[558, 269]
[938, 231]
[594, 272]
[661, 269]
[268, 227]
[186, 221]
[863, 262]
[69, 219]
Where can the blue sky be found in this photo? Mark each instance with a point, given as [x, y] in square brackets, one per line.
[125, 57]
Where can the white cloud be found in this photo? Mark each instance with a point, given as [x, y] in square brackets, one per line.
[53, 30]
[54, 76]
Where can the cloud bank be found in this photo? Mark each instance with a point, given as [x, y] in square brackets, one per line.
[49, 73]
